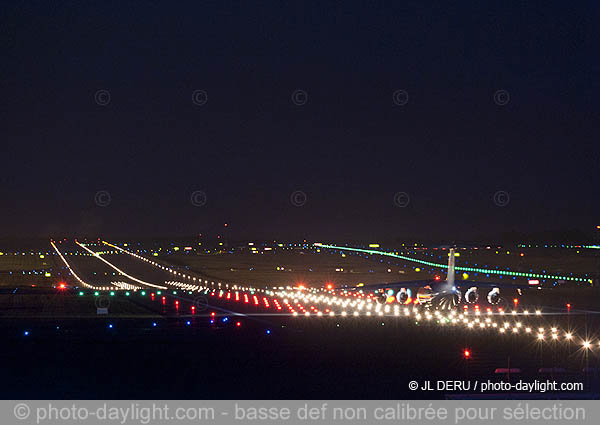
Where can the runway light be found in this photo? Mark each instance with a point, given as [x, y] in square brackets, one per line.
[586, 344]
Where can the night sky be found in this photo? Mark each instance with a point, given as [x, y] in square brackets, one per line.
[498, 96]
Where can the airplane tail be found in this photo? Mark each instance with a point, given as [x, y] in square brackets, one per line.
[451, 259]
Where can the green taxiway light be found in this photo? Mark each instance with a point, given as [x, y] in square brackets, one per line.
[444, 266]
[143, 292]
[96, 293]
[80, 293]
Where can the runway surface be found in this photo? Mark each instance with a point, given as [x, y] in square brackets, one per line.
[173, 333]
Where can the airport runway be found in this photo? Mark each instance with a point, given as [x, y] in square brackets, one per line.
[171, 333]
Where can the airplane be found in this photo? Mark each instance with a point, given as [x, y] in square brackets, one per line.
[443, 293]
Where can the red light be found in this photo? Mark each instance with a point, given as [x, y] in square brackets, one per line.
[212, 314]
[329, 286]
[516, 301]
[569, 306]
[62, 286]
[467, 354]
[437, 277]
[238, 324]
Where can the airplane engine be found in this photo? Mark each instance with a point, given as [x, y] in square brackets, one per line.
[493, 296]
[403, 295]
[425, 295]
[381, 298]
[472, 295]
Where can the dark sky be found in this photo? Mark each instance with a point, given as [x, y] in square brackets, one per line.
[349, 148]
